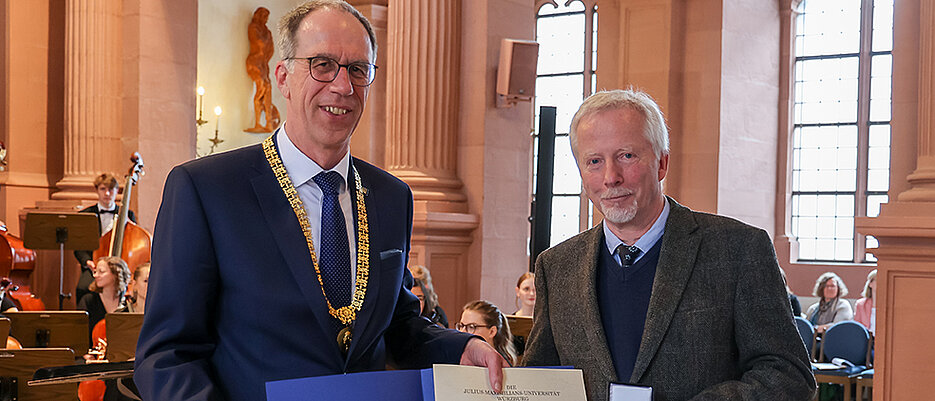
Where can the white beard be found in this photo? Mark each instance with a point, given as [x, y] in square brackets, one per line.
[620, 215]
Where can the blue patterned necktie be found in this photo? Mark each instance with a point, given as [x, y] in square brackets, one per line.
[628, 254]
[334, 258]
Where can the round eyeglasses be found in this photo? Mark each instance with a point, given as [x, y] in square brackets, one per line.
[470, 327]
[325, 69]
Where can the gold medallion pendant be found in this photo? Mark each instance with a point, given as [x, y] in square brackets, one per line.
[344, 339]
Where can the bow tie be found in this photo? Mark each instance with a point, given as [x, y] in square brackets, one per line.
[108, 211]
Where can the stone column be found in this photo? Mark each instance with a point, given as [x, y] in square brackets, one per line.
[93, 71]
[422, 136]
[369, 139]
[905, 227]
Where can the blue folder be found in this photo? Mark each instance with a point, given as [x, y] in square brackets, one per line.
[391, 385]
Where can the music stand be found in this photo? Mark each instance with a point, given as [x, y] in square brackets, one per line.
[19, 367]
[42, 329]
[62, 230]
[123, 331]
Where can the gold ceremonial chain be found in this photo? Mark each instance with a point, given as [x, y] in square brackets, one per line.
[345, 314]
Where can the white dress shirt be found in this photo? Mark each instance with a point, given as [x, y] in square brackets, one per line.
[107, 219]
[301, 169]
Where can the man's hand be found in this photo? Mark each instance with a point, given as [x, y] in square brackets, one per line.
[90, 264]
[478, 353]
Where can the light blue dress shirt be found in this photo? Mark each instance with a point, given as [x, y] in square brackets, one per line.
[645, 242]
[301, 169]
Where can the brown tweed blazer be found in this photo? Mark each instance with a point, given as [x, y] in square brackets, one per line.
[719, 325]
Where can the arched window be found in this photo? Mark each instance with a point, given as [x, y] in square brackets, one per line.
[841, 124]
[567, 34]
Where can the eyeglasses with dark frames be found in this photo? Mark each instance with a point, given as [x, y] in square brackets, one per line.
[470, 327]
[325, 69]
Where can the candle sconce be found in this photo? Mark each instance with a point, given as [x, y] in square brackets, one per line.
[201, 106]
[200, 121]
[217, 121]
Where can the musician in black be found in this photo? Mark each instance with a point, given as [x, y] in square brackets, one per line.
[106, 186]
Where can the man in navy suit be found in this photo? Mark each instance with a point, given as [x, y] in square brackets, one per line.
[288, 259]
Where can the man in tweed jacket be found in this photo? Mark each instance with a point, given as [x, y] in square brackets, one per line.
[689, 303]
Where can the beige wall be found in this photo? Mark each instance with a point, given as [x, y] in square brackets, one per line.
[222, 51]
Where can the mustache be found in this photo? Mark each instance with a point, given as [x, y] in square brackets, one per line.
[615, 192]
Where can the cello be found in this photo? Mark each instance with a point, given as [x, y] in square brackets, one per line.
[127, 240]
[17, 262]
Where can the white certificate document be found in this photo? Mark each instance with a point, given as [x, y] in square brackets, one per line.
[470, 383]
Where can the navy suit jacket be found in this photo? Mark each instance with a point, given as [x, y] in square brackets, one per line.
[234, 300]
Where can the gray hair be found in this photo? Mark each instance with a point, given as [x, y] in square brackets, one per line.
[656, 131]
[819, 290]
[289, 24]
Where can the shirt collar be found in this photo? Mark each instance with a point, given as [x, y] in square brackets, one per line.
[645, 242]
[101, 208]
[300, 167]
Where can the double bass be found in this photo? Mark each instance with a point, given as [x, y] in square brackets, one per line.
[127, 240]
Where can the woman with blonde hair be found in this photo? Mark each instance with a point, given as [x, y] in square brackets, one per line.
[831, 306]
[866, 307]
[111, 276]
[485, 319]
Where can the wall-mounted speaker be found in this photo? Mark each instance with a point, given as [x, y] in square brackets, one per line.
[516, 73]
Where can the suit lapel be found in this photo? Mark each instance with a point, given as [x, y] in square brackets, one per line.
[361, 333]
[676, 260]
[290, 241]
[590, 310]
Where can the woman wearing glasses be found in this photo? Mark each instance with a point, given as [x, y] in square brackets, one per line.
[485, 319]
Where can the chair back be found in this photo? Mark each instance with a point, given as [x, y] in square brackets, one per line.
[807, 332]
[848, 340]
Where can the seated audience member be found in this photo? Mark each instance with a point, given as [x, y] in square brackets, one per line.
[866, 307]
[526, 294]
[831, 307]
[484, 319]
[423, 289]
[111, 276]
[139, 284]
[793, 300]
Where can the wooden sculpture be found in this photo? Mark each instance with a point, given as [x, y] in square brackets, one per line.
[261, 51]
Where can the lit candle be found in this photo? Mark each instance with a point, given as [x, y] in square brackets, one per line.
[217, 122]
[201, 98]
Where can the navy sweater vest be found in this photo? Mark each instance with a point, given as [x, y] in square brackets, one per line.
[623, 297]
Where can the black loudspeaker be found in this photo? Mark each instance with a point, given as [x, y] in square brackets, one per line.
[516, 74]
